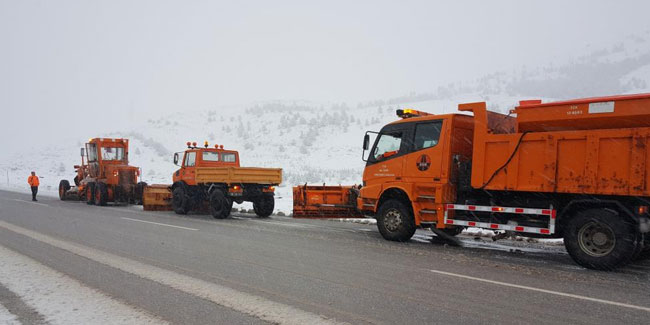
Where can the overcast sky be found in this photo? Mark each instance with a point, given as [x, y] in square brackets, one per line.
[66, 63]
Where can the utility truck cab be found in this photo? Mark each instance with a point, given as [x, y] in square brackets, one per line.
[205, 156]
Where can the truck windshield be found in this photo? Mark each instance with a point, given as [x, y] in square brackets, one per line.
[112, 153]
[210, 156]
[387, 145]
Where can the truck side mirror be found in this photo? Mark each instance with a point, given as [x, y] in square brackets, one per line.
[82, 152]
[176, 159]
[366, 141]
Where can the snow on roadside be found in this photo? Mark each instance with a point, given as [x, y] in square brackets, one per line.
[62, 299]
[7, 318]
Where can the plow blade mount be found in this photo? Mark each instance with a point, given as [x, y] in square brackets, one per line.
[312, 201]
[157, 197]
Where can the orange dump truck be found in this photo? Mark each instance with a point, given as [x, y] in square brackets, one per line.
[578, 170]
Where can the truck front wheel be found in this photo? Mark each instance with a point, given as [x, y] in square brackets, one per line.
[600, 239]
[220, 205]
[180, 200]
[263, 206]
[101, 194]
[395, 221]
[90, 193]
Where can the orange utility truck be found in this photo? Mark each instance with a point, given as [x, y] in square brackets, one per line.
[578, 170]
[104, 174]
[213, 177]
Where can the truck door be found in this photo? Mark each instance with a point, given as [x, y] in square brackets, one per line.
[385, 163]
[189, 167]
[423, 163]
[93, 161]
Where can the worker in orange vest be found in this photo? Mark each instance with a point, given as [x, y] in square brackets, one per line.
[33, 183]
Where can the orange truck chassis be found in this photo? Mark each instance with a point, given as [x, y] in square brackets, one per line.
[578, 170]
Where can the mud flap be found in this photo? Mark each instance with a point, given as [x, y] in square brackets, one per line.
[451, 240]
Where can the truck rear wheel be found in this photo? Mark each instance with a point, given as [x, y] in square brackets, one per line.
[644, 253]
[264, 205]
[220, 205]
[180, 200]
[64, 186]
[600, 239]
[395, 221]
[90, 193]
[101, 194]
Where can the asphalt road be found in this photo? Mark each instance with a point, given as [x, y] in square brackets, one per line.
[197, 270]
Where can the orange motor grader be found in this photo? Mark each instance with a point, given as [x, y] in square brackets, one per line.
[104, 175]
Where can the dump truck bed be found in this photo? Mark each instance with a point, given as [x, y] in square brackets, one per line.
[239, 175]
[595, 161]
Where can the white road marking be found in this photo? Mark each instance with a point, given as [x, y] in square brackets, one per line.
[62, 299]
[158, 223]
[31, 202]
[557, 293]
[125, 210]
[246, 303]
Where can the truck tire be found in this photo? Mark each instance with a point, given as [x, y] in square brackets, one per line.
[139, 192]
[395, 221]
[600, 239]
[220, 205]
[264, 205]
[90, 193]
[64, 186]
[180, 200]
[101, 194]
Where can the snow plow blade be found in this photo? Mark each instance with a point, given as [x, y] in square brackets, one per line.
[313, 201]
[157, 197]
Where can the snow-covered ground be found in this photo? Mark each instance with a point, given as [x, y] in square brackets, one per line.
[59, 298]
[7, 318]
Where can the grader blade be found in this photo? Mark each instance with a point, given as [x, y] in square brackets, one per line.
[313, 201]
[157, 197]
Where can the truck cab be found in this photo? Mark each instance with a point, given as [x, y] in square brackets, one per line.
[195, 157]
[415, 160]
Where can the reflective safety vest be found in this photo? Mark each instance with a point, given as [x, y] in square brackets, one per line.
[33, 180]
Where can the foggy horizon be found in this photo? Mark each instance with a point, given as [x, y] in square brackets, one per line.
[72, 66]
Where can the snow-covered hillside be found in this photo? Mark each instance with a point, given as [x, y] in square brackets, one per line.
[321, 142]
